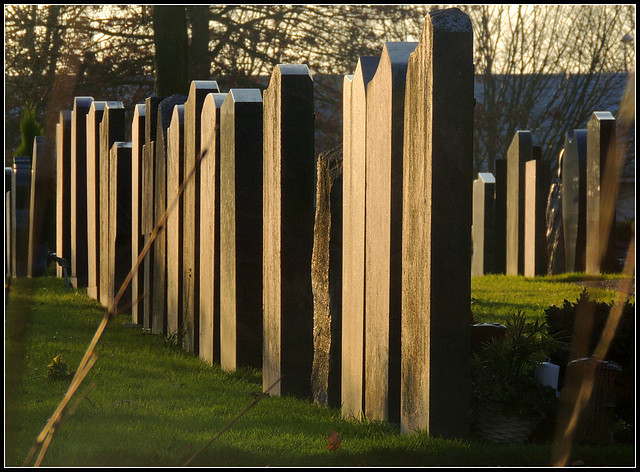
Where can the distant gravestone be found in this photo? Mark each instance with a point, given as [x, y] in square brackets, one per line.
[484, 224]
[288, 215]
[174, 227]
[111, 131]
[198, 91]
[536, 190]
[94, 118]
[436, 228]
[210, 229]
[63, 189]
[326, 280]
[8, 225]
[602, 191]
[574, 195]
[79, 241]
[163, 197]
[137, 237]
[20, 195]
[42, 205]
[520, 151]
[241, 229]
[383, 232]
[119, 227]
[353, 225]
[501, 217]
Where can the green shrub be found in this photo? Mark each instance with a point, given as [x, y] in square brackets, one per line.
[29, 129]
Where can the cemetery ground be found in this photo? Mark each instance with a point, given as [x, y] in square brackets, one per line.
[147, 402]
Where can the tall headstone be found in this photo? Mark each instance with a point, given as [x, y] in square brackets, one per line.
[602, 191]
[241, 229]
[111, 131]
[42, 204]
[574, 195]
[484, 224]
[8, 225]
[94, 118]
[63, 188]
[383, 232]
[148, 194]
[436, 227]
[353, 235]
[501, 217]
[198, 91]
[288, 215]
[20, 195]
[137, 238]
[520, 151]
[210, 229]
[536, 190]
[119, 226]
[174, 226]
[326, 280]
[79, 240]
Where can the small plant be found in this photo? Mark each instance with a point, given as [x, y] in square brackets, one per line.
[58, 369]
[29, 129]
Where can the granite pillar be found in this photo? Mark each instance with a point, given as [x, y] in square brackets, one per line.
[63, 189]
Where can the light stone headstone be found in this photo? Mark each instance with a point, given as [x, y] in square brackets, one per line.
[210, 229]
[484, 226]
[137, 236]
[79, 239]
[602, 190]
[536, 190]
[383, 234]
[42, 205]
[574, 194]
[94, 118]
[198, 91]
[288, 215]
[63, 189]
[353, 230]
[436, 228]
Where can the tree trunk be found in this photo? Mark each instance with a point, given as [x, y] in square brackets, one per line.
[199, 62]
[171, 57]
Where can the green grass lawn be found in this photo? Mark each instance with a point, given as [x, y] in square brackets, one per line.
[155, 405]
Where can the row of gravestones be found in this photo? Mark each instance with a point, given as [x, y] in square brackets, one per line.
[212, 202]
[525, 224]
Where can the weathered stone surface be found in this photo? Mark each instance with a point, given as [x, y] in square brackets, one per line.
[198, 91]
[602, 191]
[353, 224]
[288, 216]
[94, 118]
[137, 237]
[520, 151]
[111, 130]
[326, 280]
[210, 229]
[501, 217]
[20, 195]
[536, 190]
[241, 229]
[436, 258]
[79, 240]
[574, 195]
[63, 189]
[42, 205]
[555, 227]
[174, 226]
[483, 259]
[383, 232]
[119, 227]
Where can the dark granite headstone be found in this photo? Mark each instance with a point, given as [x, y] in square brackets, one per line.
[63, 189]
[210, 229]
[383, 233]
[501, 217]
[20, 196]
[42, 205]
[241, 169]
[353, 224]
[484, 226]
[8, 225]
[436, 258]
[288, 216]
[198, 91]
[94, 118]
[574, 195]
[137, 237]
[602, 192]
[537, 183]
[555, 226]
